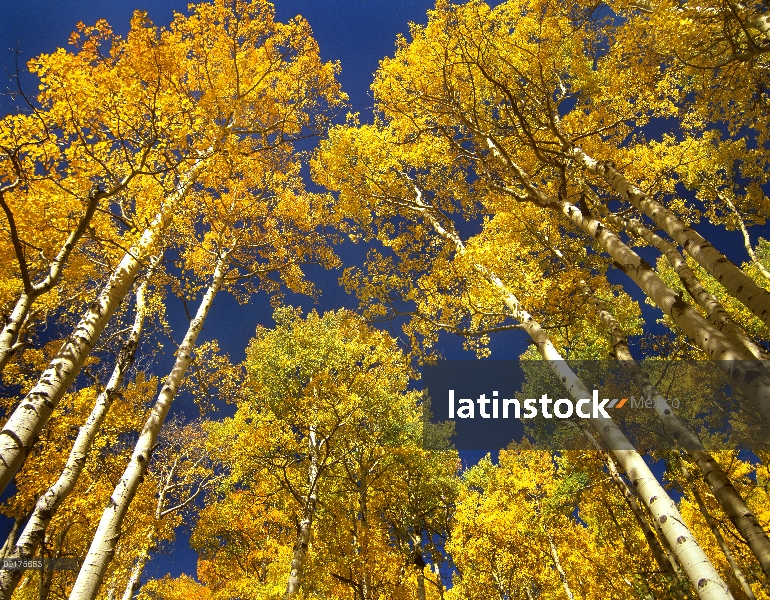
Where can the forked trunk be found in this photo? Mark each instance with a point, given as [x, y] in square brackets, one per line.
[9, 337]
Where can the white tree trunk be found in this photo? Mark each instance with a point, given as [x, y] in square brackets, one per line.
[136, 575]
[733, 361]
[103, 545]
[308, 512]
[728, 497]
[762, 23]
[705, 299]
[717, 534]
[704, 577]
[12, 329]
[48, 503]
[27, 421]
[746, 238]
[734, 280]
[666, 562]
[419, 562]
[10, 335]
[560, 569]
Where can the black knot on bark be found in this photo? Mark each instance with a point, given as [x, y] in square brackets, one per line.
[663, 518]
[751, 376]
[681, 539]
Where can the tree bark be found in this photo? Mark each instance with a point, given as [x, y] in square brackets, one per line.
[717, 534]
[560, 569]
[728, 497]
[668, 568]
[746, 238]
[308, 512]
[136, 574]
[705, 299]
[103, 545]
[48, 503]
[10, 541]
[734, 280]
[12, 329]
[700, 571]
[742, 372]
[419, 562]
[27, 421]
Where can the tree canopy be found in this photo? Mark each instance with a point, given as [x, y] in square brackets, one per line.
[576, 176]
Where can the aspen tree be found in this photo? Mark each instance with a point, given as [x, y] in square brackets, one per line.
[107, 533]
[46, 506]
[388, 190]
[24, 425]
[717, 534]
[184, 473]
[251, 129]
[519, 145]
[728, 497]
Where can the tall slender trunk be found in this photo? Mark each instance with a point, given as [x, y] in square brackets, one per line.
[107, 534]
[10, 541]
[715, 530]
[136, 574]
[728, 497]
[745, 374]
[46, 575]
[421, 583]
[668, 567]
[50, 501]
[661, 551]
[419, 562]
[27, 421]
[645, 580]
[746, 238]
[705, 299]
[308, 512]
[9, 337]
[700, 571]
[166, 486]
[734, 280]
[560, 569]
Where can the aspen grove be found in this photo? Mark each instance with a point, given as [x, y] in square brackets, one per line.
[573, 180]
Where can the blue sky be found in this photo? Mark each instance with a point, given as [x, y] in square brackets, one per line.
[358, 33]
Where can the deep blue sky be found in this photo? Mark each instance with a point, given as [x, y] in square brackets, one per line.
[358, 33]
